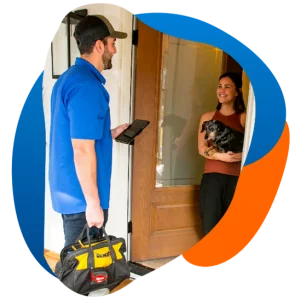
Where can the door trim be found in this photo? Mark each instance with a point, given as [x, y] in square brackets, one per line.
[131, 119]
[148, 75]
[249, 126]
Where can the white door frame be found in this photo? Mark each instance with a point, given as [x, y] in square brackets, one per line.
[250, 119]
[131, 118]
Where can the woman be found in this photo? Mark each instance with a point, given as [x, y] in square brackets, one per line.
[221, 170]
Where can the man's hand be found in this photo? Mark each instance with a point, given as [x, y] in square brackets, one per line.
[116, 131]
[94, 215]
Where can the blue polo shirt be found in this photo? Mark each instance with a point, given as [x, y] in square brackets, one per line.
[79, 110]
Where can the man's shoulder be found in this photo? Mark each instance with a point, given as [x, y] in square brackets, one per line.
[77, 74]
[77, 77]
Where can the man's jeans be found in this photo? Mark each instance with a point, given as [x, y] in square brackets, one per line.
[74, 224]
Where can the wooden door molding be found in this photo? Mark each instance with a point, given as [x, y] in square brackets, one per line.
[146, 105]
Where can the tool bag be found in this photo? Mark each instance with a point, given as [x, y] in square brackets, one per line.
[89, 265]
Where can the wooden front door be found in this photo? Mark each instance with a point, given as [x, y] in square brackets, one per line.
[175, 84]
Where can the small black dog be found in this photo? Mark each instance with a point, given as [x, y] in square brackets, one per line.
[223, 137]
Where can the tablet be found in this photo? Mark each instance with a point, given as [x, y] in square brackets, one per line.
[128, 135]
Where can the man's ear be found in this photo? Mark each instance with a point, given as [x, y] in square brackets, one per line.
[203, 126]
[99, 47]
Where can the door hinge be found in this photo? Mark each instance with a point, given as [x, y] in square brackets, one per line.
[135, 37]
[130, 227]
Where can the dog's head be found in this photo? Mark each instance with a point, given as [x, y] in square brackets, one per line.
[212, 128]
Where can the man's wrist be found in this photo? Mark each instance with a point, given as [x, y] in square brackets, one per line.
[93, 202]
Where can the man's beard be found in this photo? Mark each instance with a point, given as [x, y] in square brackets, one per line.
[106, 58]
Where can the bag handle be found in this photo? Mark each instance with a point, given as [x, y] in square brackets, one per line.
[79, 238]
[91, 261]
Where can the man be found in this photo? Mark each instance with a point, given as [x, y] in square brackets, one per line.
[80, 159]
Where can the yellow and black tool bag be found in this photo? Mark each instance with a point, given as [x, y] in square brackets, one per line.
[89, 265]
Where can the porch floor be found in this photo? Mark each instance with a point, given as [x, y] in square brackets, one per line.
[52, 258]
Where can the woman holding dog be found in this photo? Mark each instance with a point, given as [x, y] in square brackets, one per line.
[221, 171]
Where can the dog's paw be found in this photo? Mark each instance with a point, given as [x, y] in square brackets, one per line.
[211, 152]
[208, 152]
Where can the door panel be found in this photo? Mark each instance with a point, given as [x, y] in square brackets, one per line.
[176, 83]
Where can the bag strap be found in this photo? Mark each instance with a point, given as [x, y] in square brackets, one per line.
[79, 238]
[91, 261]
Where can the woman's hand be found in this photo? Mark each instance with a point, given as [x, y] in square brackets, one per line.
[228, 156]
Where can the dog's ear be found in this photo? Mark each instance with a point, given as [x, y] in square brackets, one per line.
[203, 126]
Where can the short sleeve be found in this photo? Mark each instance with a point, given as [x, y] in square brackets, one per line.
[87, 108]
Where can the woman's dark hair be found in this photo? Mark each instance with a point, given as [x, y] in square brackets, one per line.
[239, 105]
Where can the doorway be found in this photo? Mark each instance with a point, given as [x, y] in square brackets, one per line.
[175, 84]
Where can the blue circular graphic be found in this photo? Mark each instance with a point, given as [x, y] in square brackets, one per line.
[28, 161]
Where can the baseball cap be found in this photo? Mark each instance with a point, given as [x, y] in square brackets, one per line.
[95, 27]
